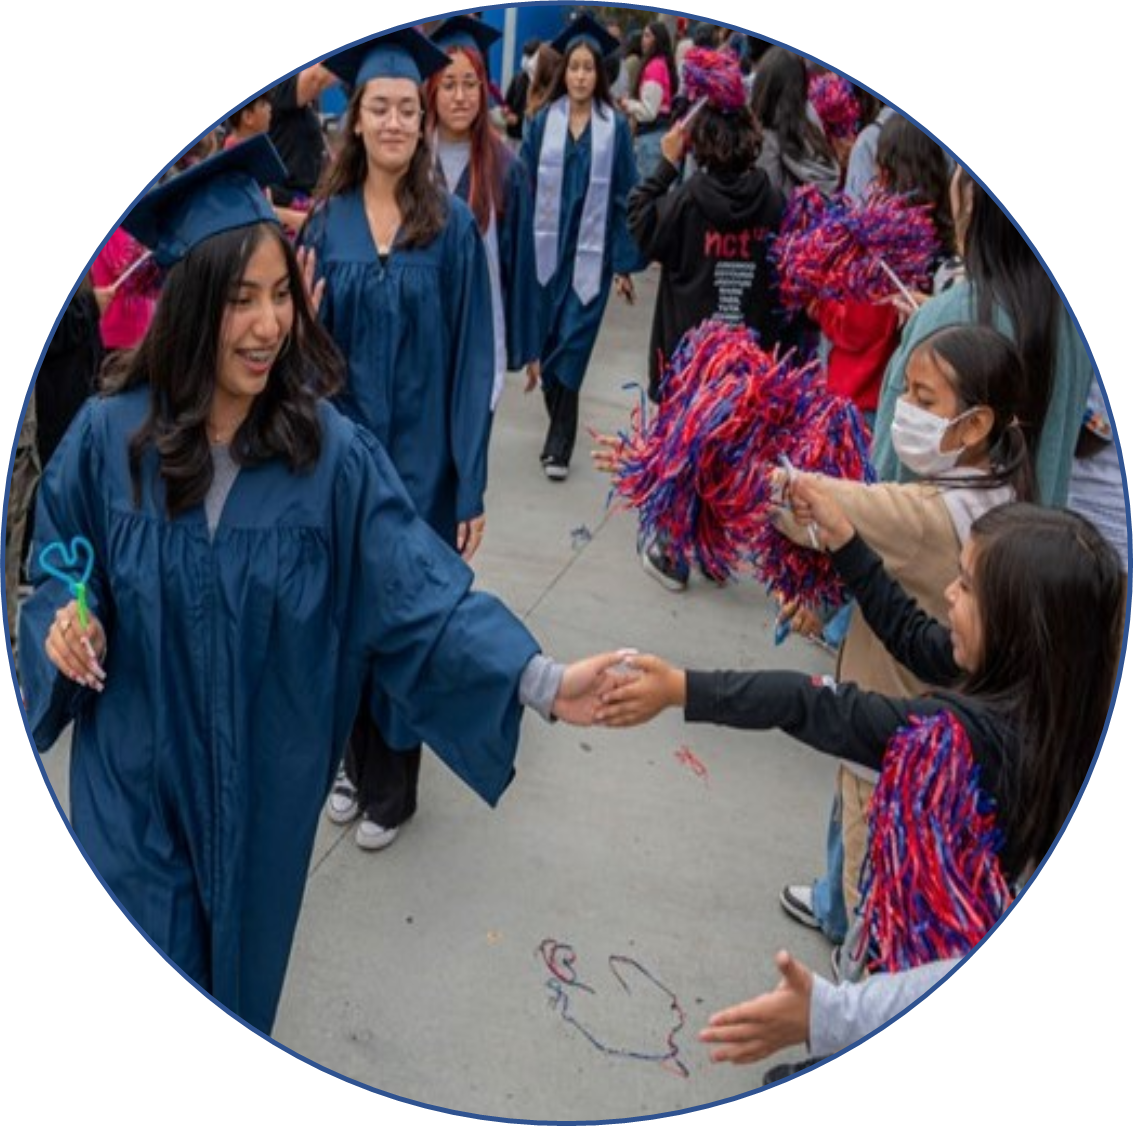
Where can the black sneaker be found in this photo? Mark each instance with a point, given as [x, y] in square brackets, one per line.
[786, 1070]
[671, 573]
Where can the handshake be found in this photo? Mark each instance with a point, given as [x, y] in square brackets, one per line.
[619, 689]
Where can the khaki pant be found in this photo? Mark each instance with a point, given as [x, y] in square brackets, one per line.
[25, 476]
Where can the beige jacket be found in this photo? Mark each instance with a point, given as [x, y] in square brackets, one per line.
[912, 530]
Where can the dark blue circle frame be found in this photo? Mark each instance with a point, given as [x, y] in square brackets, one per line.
[565, 1122]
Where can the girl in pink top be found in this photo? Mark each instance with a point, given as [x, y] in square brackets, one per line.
[651, 103]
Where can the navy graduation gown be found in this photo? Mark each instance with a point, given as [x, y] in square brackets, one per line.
[571, 328]
[235, 668]
[515, 235]
[416, 334]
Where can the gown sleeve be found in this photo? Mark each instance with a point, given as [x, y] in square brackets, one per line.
[67, 506]
[473, 362]
[517, 265]
[450, 659]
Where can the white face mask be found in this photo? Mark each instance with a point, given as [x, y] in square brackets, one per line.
[529, 65]
[917, 435]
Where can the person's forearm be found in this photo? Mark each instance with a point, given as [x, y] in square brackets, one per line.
[312, 82]
[843, 1014]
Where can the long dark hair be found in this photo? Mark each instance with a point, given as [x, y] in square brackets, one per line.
[985, 369]
[663, 47]
[177, 360]
[1005, 274]
[601, 85]
[1050, 594]
[488, 157]
[781, 105]
[914, 165]
[423, 203]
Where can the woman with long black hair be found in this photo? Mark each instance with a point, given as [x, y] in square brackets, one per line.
[580, 155]
[252, 565]
[650, 101]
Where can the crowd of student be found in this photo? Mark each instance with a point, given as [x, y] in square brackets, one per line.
[240, 522]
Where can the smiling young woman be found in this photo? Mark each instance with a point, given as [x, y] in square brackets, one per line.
[244, 598]
[407, 295]
[475, 165]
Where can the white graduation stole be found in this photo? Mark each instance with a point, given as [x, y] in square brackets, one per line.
[590, 251]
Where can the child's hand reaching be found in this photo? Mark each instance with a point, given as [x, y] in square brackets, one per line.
[608, 456]
[657, 686]
[767, 1024]
[796, 617]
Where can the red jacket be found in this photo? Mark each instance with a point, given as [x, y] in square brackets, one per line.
[862, 339]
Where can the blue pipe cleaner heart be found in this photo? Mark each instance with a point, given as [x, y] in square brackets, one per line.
[71, 564]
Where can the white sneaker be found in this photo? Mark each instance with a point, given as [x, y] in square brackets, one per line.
[798, 901]
[371, 836]
[342, 804]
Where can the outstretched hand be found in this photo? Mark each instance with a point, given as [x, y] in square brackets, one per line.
[767, 1024]
[608, 456]
[652, 686]
[585, 681]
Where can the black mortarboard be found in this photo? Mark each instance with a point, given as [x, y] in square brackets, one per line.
[405, 53]
[587, 28]
[464, 31]
[219, 194]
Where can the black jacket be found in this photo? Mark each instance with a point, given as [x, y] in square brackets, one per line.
[845, 721]
[710, 235]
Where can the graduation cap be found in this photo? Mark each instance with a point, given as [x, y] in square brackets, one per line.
[405, 53]
[465, 31]
[589, 30]
[218, 194]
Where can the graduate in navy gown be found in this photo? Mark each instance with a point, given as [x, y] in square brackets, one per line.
[407, 298]
[254, 561]
[580, 153]
[474, 163]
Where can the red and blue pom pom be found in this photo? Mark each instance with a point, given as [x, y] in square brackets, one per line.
[933, 884]
[839, 250]
[715, 76]
[700, 473]
[836, 104]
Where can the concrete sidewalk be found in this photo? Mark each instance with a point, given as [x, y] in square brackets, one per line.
[417, 970]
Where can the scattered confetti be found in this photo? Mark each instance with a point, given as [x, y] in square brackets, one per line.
[568, 993]
[686, 757]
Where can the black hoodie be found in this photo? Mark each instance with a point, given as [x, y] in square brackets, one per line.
[710, 235]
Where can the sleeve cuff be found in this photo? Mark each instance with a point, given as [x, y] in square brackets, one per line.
[539, 684]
